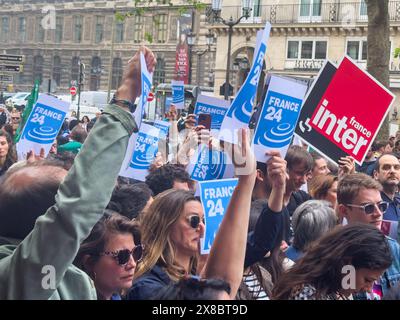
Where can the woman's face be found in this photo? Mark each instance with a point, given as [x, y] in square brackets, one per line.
[186, 238]
[3, 147]
[365, 279]
[331, 195]
[110, 277]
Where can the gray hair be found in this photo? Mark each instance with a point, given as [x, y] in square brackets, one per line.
[310, 221]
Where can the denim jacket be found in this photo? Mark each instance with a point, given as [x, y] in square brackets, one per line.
[391, 276]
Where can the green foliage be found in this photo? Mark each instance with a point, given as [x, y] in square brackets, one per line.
[396, 52]
[148, 37]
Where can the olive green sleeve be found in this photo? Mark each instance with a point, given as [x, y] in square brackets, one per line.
[80, 202]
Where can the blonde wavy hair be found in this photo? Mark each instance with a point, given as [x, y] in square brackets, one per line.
[155, 226]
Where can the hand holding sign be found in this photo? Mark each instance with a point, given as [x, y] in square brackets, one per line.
[346, 166]
[130, 88]
[241, 154]
[276, 169]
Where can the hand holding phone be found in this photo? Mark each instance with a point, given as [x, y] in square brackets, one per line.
[204, 120]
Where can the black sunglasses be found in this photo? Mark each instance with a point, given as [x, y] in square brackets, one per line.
[123, 256]
[370, 207]
[195, 220]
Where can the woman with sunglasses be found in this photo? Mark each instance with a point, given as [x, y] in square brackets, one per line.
[7, 153]
[109, 255]
[173, 225]
[346, 261]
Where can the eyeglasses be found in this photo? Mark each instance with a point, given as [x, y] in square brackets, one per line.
[123, 256]
[370, 207]
[195, 220]
[15, 118]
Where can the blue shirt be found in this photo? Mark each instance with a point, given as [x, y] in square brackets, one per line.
[293, 254]
[393, 211]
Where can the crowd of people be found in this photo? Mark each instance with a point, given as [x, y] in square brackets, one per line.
[297, 227]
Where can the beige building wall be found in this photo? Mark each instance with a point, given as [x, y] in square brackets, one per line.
[338, 23]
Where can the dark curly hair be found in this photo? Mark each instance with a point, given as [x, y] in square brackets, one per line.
[163, 178]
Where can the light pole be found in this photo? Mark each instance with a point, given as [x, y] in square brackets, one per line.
[216, 10]
[80, 83]
[191, 38]
[210, 41]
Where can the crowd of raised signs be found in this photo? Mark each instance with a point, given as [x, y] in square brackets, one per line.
[296, 227]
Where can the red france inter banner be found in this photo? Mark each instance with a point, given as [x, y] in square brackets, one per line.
[351, 110]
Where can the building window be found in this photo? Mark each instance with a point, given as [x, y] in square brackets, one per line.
[59, 29]
[138, 29]
[39, 30]
[119, 32]
[161, 22]
[95, 74]
[306, 49]
[75, 68]
[38, 68]
[363, 8]
[99, 29]
[78, 22]
[22, 29]
[159, 72]
[57, 70]
[310, 10]
[357, 50]
[5, 28]
[117, 72]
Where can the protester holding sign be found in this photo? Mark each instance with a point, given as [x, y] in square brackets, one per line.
[34, 251]
[7, 153]
[172, 227]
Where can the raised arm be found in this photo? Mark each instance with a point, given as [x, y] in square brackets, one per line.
[80, 200]
[269, 223]
[227, 253]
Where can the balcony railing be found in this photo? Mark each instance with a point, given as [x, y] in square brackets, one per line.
[343, 13]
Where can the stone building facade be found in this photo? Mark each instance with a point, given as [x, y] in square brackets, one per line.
[83, 31]
[304, 33]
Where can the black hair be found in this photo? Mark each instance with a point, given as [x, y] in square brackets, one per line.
[163, 178]
[129, 200]
[194, 288]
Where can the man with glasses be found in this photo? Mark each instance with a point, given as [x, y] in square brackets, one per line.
[360, 201]
[387, 172]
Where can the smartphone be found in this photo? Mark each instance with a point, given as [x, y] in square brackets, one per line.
[204, 120]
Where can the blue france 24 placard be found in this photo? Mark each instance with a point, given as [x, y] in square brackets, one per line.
[178, 94]
[278, 120]
[43, 124]
[215, 197]
[209, 165]
[217, 114]
[242, 106]
[146, 147]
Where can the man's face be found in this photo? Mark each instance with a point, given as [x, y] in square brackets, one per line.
[388, 173]
[320, 168]
[356, 214]
[298, 175]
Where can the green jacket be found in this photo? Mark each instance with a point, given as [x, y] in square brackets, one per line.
[57, 235]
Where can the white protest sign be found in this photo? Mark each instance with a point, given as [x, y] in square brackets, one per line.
[215, 196]
[278, 117]
[142, 149]
[215, 107]
[239, 113]
[206, 164]
[42, 125]
[178, 94]
[147, 80]
[164, 128]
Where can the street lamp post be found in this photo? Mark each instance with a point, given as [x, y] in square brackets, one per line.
[210, 41]
[191, 38]
[216, 10]
[80, 83]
